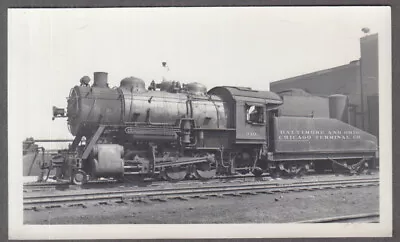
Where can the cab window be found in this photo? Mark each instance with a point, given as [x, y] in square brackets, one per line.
[254, 114]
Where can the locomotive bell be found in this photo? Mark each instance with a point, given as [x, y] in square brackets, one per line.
[165, 85]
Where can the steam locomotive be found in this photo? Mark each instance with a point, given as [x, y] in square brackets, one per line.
[175, 131]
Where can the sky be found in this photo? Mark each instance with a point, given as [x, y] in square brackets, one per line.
[49, 50]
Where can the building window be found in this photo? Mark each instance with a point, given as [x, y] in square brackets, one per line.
[254, 114]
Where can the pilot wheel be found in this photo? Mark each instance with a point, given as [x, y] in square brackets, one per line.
[79, 178]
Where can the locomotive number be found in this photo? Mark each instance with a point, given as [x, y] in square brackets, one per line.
[252, 133]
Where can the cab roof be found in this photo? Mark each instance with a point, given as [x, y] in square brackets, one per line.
[246, 94]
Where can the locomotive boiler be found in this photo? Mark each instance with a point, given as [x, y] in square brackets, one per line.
[175, 131]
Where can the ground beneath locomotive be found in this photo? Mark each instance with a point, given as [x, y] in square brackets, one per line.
[260, 208]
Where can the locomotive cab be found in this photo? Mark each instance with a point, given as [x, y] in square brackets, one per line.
[251, 112]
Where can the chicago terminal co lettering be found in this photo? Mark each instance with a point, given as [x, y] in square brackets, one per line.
[318, 135]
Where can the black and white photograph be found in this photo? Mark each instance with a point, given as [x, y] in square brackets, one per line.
[199, 122]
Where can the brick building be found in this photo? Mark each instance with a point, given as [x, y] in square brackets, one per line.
[357, 79]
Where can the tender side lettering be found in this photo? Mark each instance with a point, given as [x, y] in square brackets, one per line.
[319, 135]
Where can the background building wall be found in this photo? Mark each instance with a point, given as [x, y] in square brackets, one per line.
[357, 79]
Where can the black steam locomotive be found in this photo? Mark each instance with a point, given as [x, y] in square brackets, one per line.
[175, 131]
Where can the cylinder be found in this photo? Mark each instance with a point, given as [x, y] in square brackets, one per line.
[107, 160]
[100, 79]
[338, 107]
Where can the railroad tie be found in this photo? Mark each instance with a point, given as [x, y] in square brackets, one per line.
[158, 199]
[179, 198]
[233, 194]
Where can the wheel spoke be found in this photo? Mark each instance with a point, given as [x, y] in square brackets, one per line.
[204, 171]
[175, 174]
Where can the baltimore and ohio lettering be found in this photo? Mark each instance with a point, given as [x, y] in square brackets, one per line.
[318, 135]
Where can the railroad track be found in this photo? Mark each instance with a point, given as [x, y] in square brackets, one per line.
[162, 194]
[37, 186]
[365, 217]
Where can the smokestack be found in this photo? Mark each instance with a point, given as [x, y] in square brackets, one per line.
[100, 79]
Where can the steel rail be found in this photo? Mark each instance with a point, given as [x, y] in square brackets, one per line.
[369, 217]
[98, 183]
[150, 180]
[352, 179]
[190, 191]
